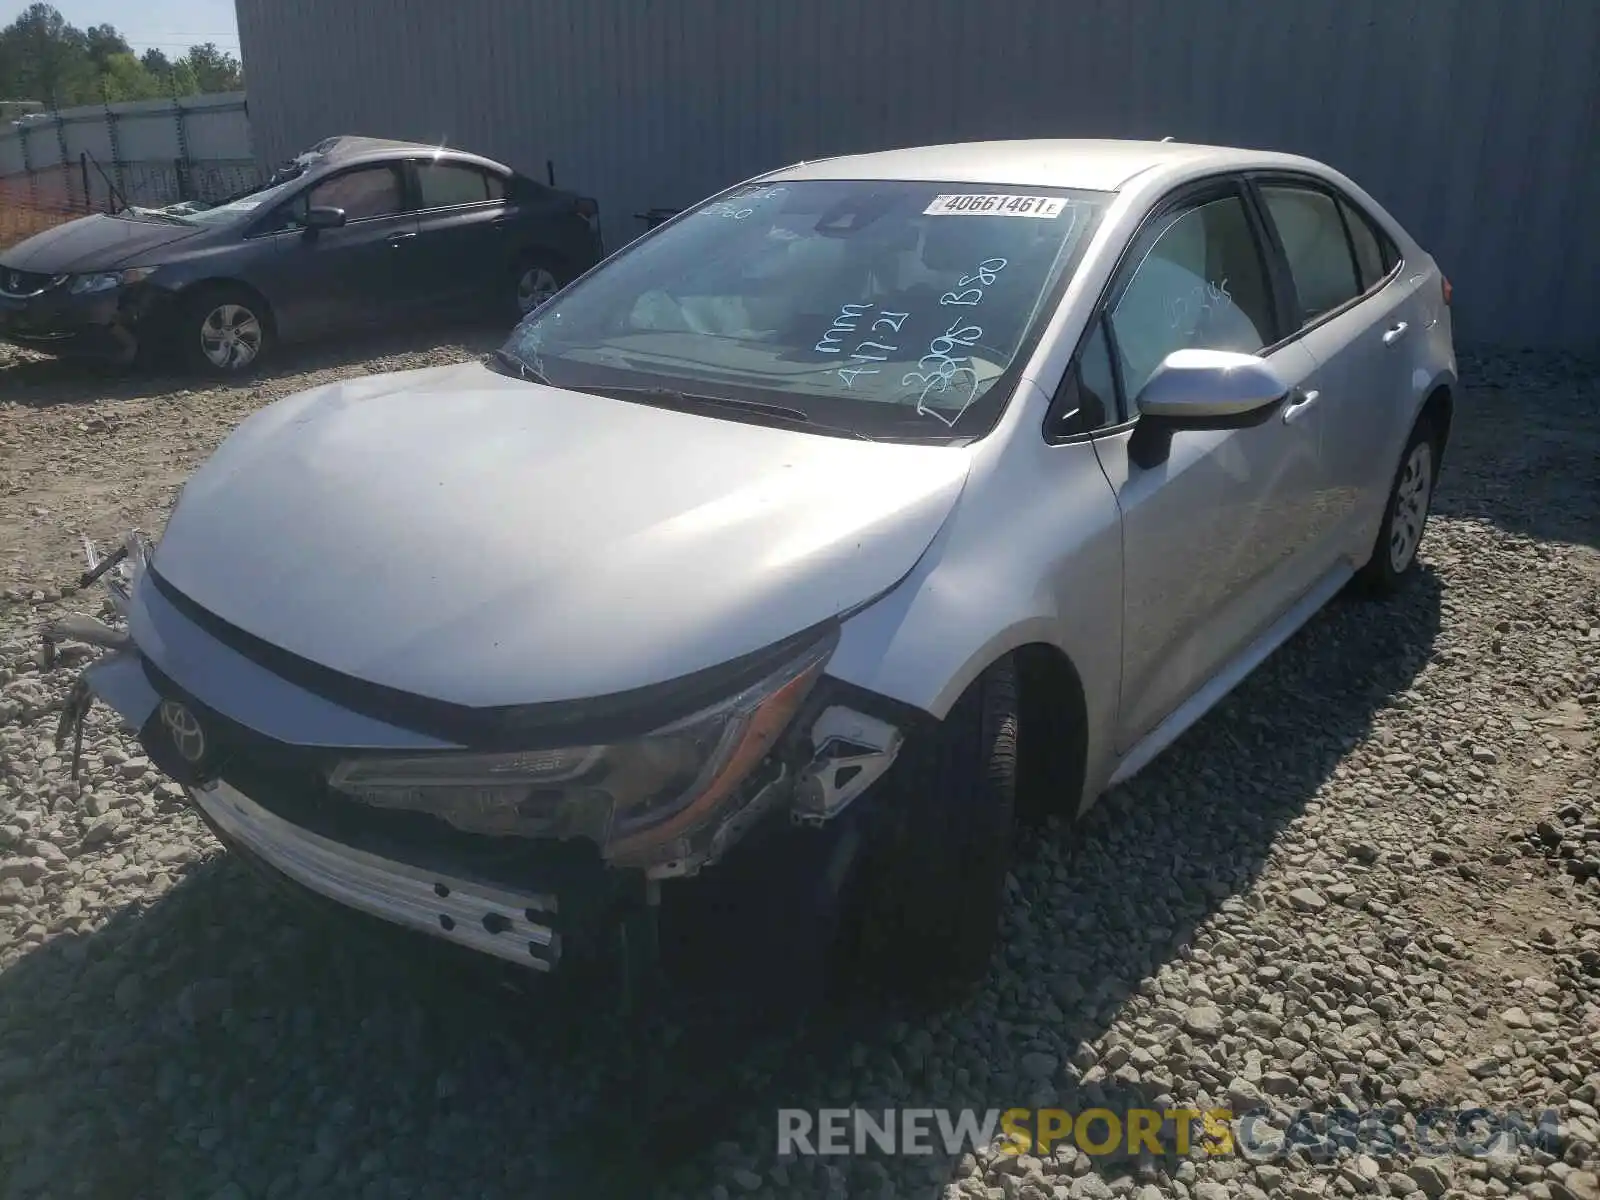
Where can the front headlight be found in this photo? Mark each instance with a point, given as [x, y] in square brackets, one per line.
[105, 281]
[632, 798]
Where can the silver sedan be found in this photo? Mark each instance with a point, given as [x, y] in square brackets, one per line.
[792, 550]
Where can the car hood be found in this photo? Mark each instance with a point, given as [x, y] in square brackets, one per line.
[477, 539]
[95, 243]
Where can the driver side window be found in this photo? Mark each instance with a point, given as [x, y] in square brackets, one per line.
[1201, 284]
[363, 193]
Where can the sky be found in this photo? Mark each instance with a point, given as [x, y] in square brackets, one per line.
[171, 26]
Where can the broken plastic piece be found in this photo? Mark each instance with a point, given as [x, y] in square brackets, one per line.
[853, 750]
[75, 627]
[99, 566]
[73, 715]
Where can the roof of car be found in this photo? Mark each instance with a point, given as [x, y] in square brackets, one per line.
[346, 148]
[1090, 164]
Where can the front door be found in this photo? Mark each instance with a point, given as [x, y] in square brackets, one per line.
[1217, 537]
[363, 273]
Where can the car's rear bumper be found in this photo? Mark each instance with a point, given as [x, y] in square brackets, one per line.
[518, 926]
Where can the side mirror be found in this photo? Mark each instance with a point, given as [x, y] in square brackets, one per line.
[1211, 389]
[1203, 389]
[322, 217]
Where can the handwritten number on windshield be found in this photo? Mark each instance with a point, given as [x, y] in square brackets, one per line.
[970, 295]
[967, 335]
[985, 274]
[944, 370]
[869, 351]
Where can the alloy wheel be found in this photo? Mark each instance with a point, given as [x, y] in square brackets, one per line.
[534, 286]
[1412, 495]
[230, 337]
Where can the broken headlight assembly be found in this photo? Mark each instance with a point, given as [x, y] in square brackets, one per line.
[656, 801]
[108, 281]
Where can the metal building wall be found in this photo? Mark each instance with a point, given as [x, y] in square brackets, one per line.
[1476, 121]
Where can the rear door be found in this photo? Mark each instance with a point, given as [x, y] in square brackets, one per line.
[362, 273]
[1350, 304]
[464, 245]
[1216, 541]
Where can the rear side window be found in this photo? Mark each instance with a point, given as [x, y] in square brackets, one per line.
[1313, 239]
[362, 193]
[447, 184]
[1200, 284]
[1375, 255]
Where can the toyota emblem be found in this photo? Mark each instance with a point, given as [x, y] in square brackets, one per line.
[187, 736]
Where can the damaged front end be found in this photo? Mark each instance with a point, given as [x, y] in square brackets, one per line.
[666, 803]
[518, 853]
[110, 676]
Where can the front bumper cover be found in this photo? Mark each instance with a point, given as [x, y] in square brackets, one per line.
[512, 925]
[101, 325]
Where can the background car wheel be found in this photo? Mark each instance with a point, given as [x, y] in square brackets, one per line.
[1394, 554]
[225, 331]
[934, 882]
[536, 278]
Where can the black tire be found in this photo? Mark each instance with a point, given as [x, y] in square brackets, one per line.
[549, 272]
[1394, 553]
[226, 320]
[934, 881]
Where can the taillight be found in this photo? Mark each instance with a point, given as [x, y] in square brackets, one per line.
[1444, 286]
[587, 208]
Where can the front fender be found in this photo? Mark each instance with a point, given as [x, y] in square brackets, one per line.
[1032, 555]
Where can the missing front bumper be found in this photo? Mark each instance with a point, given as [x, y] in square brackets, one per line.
[515, 926]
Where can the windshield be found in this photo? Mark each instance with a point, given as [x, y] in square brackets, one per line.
[894, 309]
[236, 209]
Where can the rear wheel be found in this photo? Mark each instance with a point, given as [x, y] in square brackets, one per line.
[1394, 553]
[224, 331]
[537, 277]
[934, 882]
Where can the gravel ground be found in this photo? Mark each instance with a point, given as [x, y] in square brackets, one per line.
[1372, 877]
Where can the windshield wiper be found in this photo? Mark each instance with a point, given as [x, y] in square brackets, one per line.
[680, 399]
[524, 370]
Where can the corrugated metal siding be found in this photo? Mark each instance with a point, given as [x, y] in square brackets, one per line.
[1477, 122]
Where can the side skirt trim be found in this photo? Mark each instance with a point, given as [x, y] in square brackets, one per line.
[1230, 676]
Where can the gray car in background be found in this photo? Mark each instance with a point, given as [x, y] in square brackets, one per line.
[357, 232]
[794, 549]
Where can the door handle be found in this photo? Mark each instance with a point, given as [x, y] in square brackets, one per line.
[1395, 333]
[396, 239]
[1300, 401]
[498, 223]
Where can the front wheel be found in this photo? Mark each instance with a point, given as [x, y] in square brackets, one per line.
[935, 881]
[224, 332]
[1394, 554]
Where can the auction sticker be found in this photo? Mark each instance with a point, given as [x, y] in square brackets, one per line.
[966, 205]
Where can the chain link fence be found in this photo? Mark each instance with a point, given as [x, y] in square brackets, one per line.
[61, 165]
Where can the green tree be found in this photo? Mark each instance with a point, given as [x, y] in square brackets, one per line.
[103, 42]
[214, 70]
[44, 58]
[126, 78]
